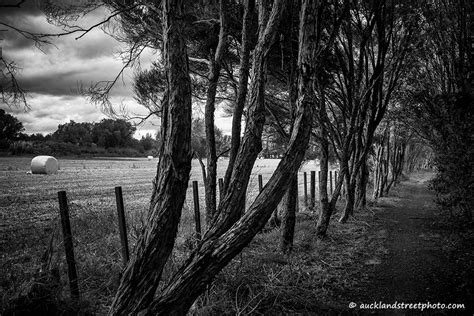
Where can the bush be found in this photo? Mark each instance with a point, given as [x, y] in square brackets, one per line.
[452, 142]
[21, 147]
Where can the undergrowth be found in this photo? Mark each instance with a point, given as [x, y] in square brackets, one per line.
[313, 279]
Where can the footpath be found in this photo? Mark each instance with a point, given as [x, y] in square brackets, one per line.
[427, 261]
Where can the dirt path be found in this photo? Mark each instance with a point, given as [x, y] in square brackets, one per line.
[422, 264]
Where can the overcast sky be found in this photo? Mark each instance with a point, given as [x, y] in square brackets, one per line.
[53, 74]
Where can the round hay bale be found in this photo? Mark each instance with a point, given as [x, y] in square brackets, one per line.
[150, 157]
[44, 165]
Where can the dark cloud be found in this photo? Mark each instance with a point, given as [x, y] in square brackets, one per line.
[70, 83]
[15, 8]
[53, 75]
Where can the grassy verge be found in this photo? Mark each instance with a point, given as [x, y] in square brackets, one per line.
[315, 278]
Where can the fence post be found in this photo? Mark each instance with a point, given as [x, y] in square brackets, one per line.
[260, 183]
[305, 187]
[313, 189]
[68, 245]
[122, 224]
[330, 182]
[197, 215]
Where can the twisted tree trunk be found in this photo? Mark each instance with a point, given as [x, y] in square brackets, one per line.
[143, 272]
[221, 243]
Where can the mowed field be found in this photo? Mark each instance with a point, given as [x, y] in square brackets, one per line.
[28, 202]
[26, 198]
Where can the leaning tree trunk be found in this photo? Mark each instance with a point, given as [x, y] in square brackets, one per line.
[219, 246]
[244, 68]
[290, 201]
[251, 143]
[215, 61]
[143, 272]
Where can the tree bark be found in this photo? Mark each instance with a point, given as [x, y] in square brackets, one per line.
[350, 199]
[290, 201]
[214, 74]
[288, 217]
[143, 272]
[251, 143]
[361, 187]
[220, 246]
[326, 209]
[377, 172]
[244, 70]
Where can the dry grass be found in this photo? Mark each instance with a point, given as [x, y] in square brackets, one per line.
[315, 279]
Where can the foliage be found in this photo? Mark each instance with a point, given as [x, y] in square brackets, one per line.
[446, 121]
[198, 139]
[74, 133]
[108, 137]
[10, 128]
[107, 133]
[112, 133]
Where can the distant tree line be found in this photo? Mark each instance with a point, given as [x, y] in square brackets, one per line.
[107, 137]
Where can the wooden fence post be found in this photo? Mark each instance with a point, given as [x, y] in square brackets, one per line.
[197, 215]
[260, 183]
[305, 187]
[122, 224]
[313, 189]
[68, 244]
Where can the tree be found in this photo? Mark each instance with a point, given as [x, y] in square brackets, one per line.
[10, 128]
[74, 133]
[112, 133]
[198, 139]
[437, 101]
[148, 142]
[445, 120]
[224, 239]
[369, 58]
[142, 275]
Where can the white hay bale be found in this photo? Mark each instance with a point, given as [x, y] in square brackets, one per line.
[150, 157]
[44, 165]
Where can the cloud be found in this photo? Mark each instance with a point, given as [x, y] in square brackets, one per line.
[49, 111]
[59, 69]
[52, 75]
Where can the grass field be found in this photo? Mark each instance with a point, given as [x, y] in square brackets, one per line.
[27, 200]
[29, 218]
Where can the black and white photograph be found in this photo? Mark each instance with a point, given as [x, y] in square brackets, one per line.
[236, 157]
